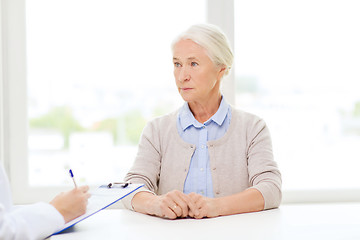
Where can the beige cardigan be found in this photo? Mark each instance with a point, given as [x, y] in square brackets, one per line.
[241, 159]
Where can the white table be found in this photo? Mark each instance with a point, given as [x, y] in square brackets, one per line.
[307, 221]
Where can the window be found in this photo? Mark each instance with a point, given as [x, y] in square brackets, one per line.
[297, 66]
[97, 72]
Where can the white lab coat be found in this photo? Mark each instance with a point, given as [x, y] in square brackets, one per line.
[35, 221]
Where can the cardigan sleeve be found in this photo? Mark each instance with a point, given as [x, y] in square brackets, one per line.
[146, 167]
[264, 174]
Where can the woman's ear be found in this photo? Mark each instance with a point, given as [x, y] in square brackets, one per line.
[221, 73]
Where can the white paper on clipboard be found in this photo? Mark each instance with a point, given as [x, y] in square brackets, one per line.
[101, 198]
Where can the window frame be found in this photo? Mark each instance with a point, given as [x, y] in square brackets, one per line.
[13, 106]
[2, 93]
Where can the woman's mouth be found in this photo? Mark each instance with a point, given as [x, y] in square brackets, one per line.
[185, 89]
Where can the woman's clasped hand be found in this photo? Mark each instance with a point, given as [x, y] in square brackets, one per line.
[176, 204]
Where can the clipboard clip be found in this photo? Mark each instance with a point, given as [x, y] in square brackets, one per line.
[118, 184]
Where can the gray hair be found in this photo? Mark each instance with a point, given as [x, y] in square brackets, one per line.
[213, 40]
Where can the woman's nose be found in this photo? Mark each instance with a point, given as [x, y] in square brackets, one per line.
[184, 75]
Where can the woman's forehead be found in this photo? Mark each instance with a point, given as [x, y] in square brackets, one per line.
[187, 49]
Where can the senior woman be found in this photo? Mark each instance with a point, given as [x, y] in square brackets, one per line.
[207, 159]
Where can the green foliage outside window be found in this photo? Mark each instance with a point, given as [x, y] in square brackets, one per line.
[125, 129]
[58, 118]
[356, 111]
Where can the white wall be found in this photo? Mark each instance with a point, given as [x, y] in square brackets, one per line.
[2, 149]
[1, 95]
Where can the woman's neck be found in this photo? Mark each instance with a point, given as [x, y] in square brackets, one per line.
[204, 110]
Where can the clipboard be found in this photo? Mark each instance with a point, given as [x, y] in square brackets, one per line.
[101, 198]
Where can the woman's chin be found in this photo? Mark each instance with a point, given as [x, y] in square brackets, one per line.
[186, 98]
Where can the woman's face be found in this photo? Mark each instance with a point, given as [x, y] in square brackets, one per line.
[197, 77]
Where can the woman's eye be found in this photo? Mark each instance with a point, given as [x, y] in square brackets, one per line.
[176, 64]
[194, 64]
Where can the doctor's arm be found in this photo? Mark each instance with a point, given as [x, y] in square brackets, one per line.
[39, 220]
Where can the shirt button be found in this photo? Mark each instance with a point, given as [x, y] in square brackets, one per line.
[201, 169]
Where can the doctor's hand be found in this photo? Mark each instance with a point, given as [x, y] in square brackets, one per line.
[72, 204]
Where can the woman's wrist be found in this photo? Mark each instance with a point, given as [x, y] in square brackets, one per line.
[143, 202]
[150, 203]
[217, 207]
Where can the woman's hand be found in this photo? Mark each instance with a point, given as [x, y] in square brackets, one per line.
[177, 204]
[249, 200]
[72, 204]
[171, 205]
[207, 207]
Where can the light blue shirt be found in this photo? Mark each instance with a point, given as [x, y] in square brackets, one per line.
[199, 178]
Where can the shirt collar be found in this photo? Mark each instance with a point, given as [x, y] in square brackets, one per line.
[221, 113]
[187, 118]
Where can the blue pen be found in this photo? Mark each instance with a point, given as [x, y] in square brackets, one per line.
[72, 177]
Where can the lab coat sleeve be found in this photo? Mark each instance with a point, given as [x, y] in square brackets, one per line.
[29, 222]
